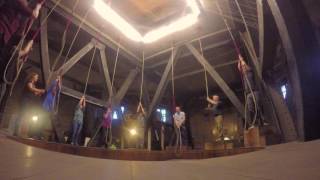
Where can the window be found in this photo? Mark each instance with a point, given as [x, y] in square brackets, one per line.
[284, 91]
[122, 109]
[163, 114]
[114, 115]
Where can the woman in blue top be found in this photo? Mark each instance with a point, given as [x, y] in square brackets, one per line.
[49, 105]
[51, 96]
[78, 120]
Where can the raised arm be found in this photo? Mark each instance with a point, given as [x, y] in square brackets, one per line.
[24, 8]
[210, 100]
[26, 49]
[82, 102]
[58, 81]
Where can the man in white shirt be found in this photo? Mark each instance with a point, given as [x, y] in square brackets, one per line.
[179, 119]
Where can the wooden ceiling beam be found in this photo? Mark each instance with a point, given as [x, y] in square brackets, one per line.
[148, 58]
[186, 54]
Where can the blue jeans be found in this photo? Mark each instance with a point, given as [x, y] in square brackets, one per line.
[77, 127]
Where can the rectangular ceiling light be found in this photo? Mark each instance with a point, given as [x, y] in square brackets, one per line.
[130, 32]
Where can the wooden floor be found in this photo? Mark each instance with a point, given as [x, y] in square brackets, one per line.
[291, 161]
[133, 154]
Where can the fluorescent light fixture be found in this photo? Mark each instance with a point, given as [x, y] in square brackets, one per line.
[117, 21]
[115, 115]
[163, 31]
[130, 32]
[122, 109]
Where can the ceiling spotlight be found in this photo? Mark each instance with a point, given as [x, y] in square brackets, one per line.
[226, 138]
[35, 118]
[133, 132]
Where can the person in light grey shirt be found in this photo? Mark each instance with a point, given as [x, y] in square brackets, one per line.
[179, 118]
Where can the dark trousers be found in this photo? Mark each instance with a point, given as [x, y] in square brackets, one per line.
[3, 88]
[253, 108]
[56, 134]
[106, 136]
[77, 127]
[3, 63]
[11, 71]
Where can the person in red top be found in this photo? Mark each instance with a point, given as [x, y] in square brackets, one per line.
[106, 125]
[13, 19]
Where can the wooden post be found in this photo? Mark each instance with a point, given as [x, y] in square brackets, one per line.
[44, 49]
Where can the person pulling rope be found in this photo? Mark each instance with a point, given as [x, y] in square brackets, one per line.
[179, 119]
[107, 117]
[78, 114]
[241, 71]
[71, 45]
[22, 60]
[179, 116]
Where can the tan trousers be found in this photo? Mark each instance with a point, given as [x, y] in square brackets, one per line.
[218, 128]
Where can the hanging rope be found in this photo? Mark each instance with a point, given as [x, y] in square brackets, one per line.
[244, 79]
[229, 29]
[243, 19]
[140, 107]
[110, 100]
[172, 71]
[205, 71]
[112, 83]
[179, 137]
[115, 68]
[142, 78]
[76, 34]
[254, 102]
[27, 29]
[64, 37]
[89, 71]
[71, 46]
[20, 64]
